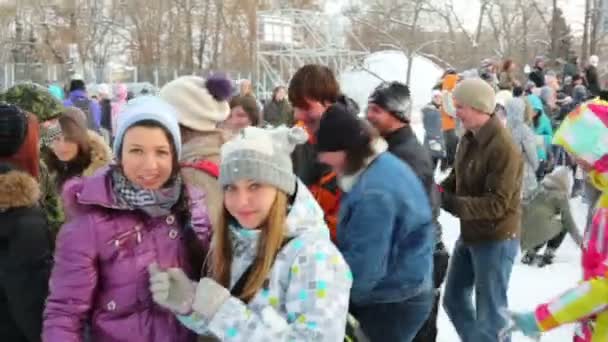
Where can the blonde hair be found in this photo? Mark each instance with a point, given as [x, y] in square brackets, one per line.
[271, 240]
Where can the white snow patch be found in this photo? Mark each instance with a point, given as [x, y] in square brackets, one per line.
[391, 65]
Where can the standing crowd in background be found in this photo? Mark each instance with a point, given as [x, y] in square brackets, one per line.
[201, 214]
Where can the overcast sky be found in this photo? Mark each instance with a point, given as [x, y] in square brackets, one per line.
[573, 10]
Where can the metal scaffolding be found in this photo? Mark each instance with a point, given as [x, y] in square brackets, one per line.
[290, 38]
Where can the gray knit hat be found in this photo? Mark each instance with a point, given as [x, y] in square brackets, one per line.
[263, 155]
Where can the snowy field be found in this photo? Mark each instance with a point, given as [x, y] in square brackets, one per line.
[529, 285]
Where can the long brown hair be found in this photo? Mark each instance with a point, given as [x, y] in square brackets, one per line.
[75, 167]
[272, 235]
[195, 250]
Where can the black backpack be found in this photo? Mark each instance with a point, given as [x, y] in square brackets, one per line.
[84, 105]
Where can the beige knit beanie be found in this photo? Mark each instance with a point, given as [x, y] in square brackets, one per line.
[476, 93]
[201, 104]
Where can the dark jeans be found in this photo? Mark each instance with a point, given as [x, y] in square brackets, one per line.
[436, 161]
[554, 243]
[486, 268]
[542, 170]
[451, 144]
[395, 322]
[428, 332]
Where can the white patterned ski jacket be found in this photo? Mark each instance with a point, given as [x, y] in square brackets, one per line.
[308, 289]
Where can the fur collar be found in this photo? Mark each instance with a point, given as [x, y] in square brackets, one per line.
[101, 155]
[18, 189]
[346, 182]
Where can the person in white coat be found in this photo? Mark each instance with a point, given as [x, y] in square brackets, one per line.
[274, 274]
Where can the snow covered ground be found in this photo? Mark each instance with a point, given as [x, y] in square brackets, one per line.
[529, 285]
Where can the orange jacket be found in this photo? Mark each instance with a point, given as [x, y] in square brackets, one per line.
[324, 189]
[449, 83]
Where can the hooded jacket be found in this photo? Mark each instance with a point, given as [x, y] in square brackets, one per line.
[525, 139]
[94, 109]
[119, 101]
[100, 273]
[25, 257]
[307, 292]
[547, 213]
[543, 129]
[100, 156]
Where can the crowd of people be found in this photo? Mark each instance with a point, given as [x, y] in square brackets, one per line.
[201, 214]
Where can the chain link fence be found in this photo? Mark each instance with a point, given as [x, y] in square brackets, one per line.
[14, 73]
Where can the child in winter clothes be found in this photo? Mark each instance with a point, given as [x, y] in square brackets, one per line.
[544, 132]
[274, 273]
[583, 134]
[547, 217]
[525, 140]
[433, 136]
[120, 99]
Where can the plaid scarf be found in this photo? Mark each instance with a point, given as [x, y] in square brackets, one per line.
[155, 203]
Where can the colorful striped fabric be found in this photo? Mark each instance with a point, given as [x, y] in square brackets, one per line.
[584, 134]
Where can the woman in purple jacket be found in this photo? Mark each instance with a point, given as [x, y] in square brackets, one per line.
[121, 220]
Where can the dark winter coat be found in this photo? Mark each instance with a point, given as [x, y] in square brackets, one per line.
[570, 69]
[404, 144]
[433, 136]
[548, 213]
[106, 114]
[25, 257]
[278, 113]
[538, 77]
[484, 188]
[593, 81]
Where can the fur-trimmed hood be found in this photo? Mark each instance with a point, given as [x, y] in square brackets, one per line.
[101, 155]
[18, 190]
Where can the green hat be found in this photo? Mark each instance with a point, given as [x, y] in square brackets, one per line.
[35, 99]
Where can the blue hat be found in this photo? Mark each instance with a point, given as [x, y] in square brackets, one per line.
[148, 108]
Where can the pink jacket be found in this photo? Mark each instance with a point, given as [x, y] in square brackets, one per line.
[100, 276]
[120, 99]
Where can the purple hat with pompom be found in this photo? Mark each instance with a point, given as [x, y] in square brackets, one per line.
[201, 104]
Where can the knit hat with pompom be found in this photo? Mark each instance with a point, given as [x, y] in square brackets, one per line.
[201, 104]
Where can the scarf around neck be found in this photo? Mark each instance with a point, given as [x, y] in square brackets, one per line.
[155, 203]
